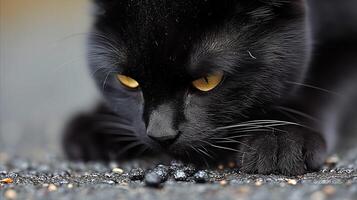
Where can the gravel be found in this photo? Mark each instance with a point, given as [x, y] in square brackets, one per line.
[152, 179]
[180, 175]
[57, 178]
[136, 174]
[201, 177]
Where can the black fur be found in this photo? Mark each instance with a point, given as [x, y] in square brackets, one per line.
[262, 46]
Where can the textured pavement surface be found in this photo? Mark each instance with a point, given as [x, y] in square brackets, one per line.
[56, 178]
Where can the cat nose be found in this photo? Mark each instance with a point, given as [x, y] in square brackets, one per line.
[164, 139]
[160, 125]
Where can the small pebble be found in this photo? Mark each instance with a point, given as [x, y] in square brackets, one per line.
[110, 182]
[174, 165]
[52, 188]
[7, 180]
[162, 171]
[190, 170]
[124, 184]
[329, 190]
[258, 183]
[113, 165]
[152, 179]
[3, 173]
[180, 175]
[201, 177]
[136, 174]
[61, 173]
[162, 167]
[70, 186]
[332, 160]
[232, 164]
[117, 170]
[223, 182]
[292, 181]
[10, 194]
[220, 167]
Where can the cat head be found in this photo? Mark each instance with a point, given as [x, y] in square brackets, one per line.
[179, 71]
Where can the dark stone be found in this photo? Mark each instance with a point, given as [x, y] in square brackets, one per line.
[190, 170]
[162, 171]
[201, 177]
[152, 179]
[180, 175]
[136, 174]
[174, 165]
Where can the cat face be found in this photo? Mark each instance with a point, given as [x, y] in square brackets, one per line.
[178, 71]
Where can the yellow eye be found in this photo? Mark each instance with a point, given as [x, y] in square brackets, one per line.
[127, 81]
[208, 82]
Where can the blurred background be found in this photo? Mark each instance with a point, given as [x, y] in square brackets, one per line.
[43, 75]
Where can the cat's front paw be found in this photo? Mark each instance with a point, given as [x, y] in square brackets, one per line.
[82, 142]
[291, 151]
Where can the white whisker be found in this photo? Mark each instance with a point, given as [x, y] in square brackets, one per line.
[258, 124]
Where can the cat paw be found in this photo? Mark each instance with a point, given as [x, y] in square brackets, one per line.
[80, 141]
[288, 152]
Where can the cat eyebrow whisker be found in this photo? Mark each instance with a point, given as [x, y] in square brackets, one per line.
[105, 50]
[106, 78]
[104, 67]
[251, 55]
[108, 41]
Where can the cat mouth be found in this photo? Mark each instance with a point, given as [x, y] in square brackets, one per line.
[171, 147]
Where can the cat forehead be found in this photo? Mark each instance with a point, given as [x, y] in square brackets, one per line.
[199, 56]
[175, 34]
[197, 50]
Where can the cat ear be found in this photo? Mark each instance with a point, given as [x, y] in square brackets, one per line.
[278, 3]
[102, 2]
[288, 6]
[100, 7]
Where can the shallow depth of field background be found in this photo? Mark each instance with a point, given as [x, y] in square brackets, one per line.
[43, 78]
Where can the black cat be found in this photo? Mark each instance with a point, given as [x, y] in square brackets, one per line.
[210, 80]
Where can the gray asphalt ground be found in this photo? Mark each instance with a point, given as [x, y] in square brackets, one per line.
[56, 178]
[52, 177]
